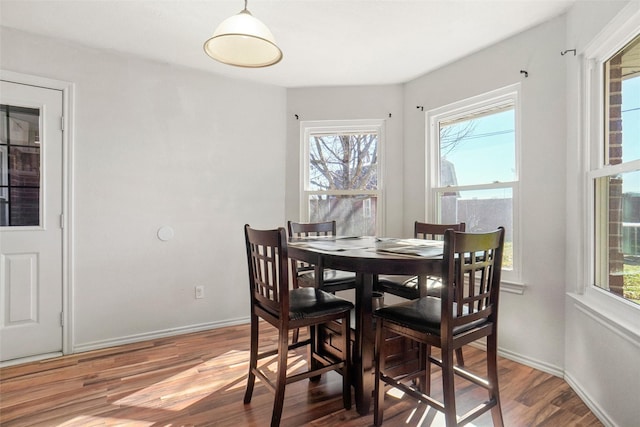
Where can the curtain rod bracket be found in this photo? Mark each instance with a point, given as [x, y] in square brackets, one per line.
[297, 118]
[420, 107]
[526, 73]
[563, 53]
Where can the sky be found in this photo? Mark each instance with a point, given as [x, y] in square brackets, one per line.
[487, 153]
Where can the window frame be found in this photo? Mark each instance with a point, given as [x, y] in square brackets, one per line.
[492, 100]
[308, 128]
[614, 37]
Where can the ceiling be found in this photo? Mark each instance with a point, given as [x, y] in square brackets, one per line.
[325, 42]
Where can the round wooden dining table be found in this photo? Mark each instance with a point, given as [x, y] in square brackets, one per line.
[368, 257]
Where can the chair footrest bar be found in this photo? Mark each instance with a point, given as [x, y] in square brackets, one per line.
[315, 372]
[267, 353]
[409, 376]
[469, 376]
[416, 394]
[325, 360]
[266, 381]
[299, 344]
[274, 351]
[477, 411]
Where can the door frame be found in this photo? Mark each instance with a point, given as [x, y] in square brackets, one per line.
[67, 222]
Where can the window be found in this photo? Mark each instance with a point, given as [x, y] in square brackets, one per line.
[341, 175]
[615, 176]
[20, 169]
[473, 159]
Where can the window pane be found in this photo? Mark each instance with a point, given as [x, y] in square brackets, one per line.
[617, 197]
[354, 215]
[24, 206]
[623, 105]
[481, 210]
[618, 269]
[20, 166]
[343, 162]
[479, 149]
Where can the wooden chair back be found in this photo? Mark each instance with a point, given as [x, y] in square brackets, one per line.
[429, 231]
[411, 287]
[268, 270]
[472, 269]
[308, 229]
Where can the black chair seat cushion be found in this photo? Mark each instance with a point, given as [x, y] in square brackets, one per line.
[421, 314]
[306, 303]
[331, 277]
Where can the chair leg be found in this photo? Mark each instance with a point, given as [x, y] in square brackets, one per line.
[281, 377]
[253, 359]
[459, 356]
[424, 381]
[492, 373]
[379, 357]
[296, 336]
[346, 355]
[312, 348]
[448, 388]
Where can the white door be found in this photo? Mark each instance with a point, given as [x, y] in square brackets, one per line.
[30, 221]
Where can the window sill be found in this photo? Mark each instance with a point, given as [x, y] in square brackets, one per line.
[619, 317]
[512, 287]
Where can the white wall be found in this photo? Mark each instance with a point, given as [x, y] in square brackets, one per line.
[531, 325]
[602, 333]
[349, 103]
[157, 145]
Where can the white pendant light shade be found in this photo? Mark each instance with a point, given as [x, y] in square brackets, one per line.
[243, 41]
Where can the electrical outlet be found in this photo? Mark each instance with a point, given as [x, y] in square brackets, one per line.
[199, 291]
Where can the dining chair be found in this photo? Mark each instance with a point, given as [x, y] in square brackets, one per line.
[304, 274]
[413, 287]
[408, 287]
[288, 309]
[466, 311]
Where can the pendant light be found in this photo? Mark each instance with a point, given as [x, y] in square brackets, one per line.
[243, 41]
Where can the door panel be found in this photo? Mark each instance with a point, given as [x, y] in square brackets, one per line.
[22, 288]
[30, 231]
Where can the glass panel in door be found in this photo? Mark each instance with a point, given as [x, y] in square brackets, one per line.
[20, 166]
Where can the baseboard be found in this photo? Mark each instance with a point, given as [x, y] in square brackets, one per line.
[591, 404]
[554, 370]
[29, 359]
[527, 361]
[97, 345]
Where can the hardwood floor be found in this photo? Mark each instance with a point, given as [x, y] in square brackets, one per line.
[198, 380]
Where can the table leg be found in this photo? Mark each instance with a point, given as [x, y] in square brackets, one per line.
[363, 348]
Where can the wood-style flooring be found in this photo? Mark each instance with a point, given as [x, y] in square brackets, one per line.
[198, 380]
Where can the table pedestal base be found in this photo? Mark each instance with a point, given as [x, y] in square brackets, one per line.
[403, 356]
